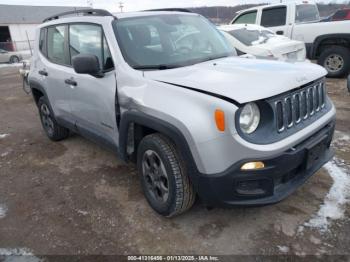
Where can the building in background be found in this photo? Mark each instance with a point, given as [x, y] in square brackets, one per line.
[18, 23]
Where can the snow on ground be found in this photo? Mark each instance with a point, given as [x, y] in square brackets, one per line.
[3, 135]
[15, 252]
[341, 136]
[283, 249]
[82, 212]
[3, 211]
[4, 154]
[335, 201]
[3, 65]
[17, 255]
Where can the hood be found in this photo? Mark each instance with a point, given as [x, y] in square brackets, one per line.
[241, 79]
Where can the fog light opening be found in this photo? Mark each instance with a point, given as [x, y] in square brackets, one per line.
[253, 165]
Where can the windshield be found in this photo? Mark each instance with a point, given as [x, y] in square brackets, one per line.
[168, 41]
[250, 37]
[306, 13]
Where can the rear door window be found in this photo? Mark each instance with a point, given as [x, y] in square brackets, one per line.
[276, 16]
[305, 13]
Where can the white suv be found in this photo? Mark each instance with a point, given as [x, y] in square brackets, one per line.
[196, 119]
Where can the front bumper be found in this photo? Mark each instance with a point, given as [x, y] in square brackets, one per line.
[281, 175]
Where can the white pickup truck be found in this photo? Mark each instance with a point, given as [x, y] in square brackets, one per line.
[327, 42]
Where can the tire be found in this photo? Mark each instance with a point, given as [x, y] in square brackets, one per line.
[14, 59]
[53, 130]
[25, 85]
[336, 60]
[170, 192]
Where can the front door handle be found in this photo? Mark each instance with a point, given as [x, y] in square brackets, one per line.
[71, 82]
[43, 73]
[280, 32]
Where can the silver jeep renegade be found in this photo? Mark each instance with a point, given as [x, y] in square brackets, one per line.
[164, 89]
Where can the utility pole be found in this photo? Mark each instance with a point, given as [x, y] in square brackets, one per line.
[121, 6]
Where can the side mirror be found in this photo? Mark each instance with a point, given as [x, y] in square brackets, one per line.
[348, 85]
[87, 64]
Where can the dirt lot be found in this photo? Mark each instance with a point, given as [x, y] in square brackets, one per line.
[74, 197]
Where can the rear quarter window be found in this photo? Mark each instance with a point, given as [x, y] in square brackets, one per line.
[42, 41]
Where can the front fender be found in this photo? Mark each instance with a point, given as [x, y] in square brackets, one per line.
[160, 126]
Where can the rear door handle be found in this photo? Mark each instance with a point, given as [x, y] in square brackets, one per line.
[71, 82]
[43, 73]
[280, 32]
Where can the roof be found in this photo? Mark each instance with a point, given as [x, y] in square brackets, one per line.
[23, 14]
[296, 2]
[150, 13]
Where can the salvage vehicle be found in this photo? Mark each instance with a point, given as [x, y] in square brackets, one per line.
[11, 57]
[263, 43]
[197, 122]
[326, 42]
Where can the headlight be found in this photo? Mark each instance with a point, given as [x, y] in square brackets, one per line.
[249, 118]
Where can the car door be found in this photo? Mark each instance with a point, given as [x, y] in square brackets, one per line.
[4, 56]
[275, 18]
[92, 99]
[53, 67]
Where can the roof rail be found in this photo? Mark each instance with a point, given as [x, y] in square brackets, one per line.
[82, 12]
[170, 10]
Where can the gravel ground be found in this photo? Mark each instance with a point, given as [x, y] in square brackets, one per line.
[76, 198]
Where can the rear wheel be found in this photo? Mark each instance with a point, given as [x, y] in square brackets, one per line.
[164, 179]
[25, 84]
[53, 130]
[336, 60]
[14, 59]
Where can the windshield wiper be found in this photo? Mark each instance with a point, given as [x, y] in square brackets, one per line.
[154, 67]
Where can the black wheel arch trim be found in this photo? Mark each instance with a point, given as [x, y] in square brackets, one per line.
[36, 85]
[166, 129]
[317, 42]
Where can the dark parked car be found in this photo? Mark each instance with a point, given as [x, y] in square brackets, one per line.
[339, 15]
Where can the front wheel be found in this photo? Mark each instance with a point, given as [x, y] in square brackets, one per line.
[336, 60]
[164, 179]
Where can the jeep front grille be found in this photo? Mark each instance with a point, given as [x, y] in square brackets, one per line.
[295, 107]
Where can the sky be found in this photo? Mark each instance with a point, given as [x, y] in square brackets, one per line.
[135, 5]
